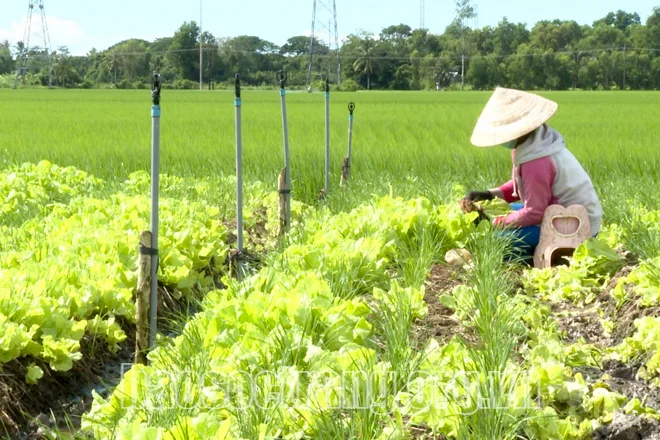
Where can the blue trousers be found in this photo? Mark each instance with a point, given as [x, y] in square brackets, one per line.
[525, 239]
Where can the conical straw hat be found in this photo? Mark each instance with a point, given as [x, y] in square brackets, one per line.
[509, 115]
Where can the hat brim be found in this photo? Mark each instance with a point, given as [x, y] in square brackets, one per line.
[511, 114]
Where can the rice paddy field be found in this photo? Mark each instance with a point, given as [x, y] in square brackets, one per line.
[384, 312]
[417, 142]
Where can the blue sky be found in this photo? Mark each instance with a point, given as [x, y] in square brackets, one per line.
[81, 25]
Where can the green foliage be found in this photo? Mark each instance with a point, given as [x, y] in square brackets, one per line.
[68, 259]
[327, 327]
[295, 317]
[416, 155]
[643, 281]
[643, 347]
[590, 269]
[181, 54]
[349, 85]
[342, 292]
[615, 53]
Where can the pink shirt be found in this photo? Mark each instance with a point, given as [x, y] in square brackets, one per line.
[538, 178]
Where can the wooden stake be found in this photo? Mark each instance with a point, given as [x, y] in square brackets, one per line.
[142, 301]
[345, 167]
[281, 186]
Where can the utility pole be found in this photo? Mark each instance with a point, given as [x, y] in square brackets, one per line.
[624, 67]
[464, 10]
[421, 14]
[201, 46]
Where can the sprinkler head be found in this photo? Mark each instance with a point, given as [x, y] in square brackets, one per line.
[282, 77]
[237, 85]
[156, 85]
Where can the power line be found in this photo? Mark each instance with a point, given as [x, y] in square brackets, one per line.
[627, 49]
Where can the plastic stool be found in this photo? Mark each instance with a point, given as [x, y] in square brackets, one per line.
[562, 231]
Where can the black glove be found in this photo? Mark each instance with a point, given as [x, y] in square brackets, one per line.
[480, 196]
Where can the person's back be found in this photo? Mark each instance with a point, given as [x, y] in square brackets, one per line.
[544, 156]
[574, 187]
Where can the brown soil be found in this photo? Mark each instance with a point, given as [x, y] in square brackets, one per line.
[584, 322]
[577, 323]
[440, 322]
[68, 395]
[423, 433]
[256, 236]
[629, 427]
[624, 380]
[626, 316]
[623, 273]
[250, 261]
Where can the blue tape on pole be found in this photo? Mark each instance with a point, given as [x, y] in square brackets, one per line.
[327, 95]
[237, 102]
[350, 117]
[155, 111]
[282, 92]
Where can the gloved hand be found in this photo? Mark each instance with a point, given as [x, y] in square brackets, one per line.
[468, 206]
[479, 196]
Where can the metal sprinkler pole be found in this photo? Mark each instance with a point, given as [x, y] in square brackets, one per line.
[155, 170]
[327, 136]
[281, 76]
[239, 166]
[201, 45]
[351, 109]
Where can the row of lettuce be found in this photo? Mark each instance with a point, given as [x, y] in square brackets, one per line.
[68, 259]
[318, 343]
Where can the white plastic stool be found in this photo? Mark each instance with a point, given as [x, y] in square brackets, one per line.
[562, 231]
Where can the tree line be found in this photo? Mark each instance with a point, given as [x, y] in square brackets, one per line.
[615, 52]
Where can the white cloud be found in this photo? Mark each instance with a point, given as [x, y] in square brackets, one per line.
[62, 32]
[13, 34]
[67, 33]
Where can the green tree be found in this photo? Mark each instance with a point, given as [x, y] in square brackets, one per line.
[255, 59]
[508, 36]
[299, 46]
[654, 79]
[63, 70]
[621, 20]
[464, 11]
[133, 59]
[435, 71]
[555, 35]
[365, 63]
[183, 52]
[110, 67]
[6, 58]
[486, 72]
[618, 51]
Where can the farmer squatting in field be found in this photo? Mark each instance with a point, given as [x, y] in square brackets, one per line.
[544, 171]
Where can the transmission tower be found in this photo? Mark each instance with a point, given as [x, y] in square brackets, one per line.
[422, 13]
[476, 16]
[29, 35]
[324, 11]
